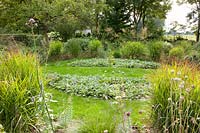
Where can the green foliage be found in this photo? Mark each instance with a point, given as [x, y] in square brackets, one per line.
[116, 63]
[155, 49]
[166, 48]
[55, 48]
[176, 52]
[116, 54]
[100, 87]
[187, 45]
[176, 91]
[73, 47]
[133, 50]
[19, 92]
[94, 47]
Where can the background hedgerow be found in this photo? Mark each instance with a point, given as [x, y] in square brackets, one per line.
[176, 100]
[19, 92]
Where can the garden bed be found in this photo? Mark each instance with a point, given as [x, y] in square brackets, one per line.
[100, 86]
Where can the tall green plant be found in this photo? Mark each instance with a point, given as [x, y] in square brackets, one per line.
[155, 49]
[176, 101]
[133, 50]
[19, 92]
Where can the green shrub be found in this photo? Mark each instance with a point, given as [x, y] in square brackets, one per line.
[155, 49]
[19, 93]
[116, 54]
[186, 45]
[176, 52]
[55, 48]
[176, 100]
[133, 50]
[72, 47]
[94, 47]
[166, 48]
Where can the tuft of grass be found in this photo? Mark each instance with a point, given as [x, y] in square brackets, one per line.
[19, 92]
[176, 100]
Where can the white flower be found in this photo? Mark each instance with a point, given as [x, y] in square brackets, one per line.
[176, 79]
[178, 73]
[172, 71]
[181, 86]
[31, 21]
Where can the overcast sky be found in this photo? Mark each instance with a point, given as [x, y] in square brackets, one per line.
[177, 13]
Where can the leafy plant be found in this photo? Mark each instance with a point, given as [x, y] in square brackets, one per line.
[133, 50]
[55, 48]
[19, 92]
[100, 87]
[115, 63]
[176, 91]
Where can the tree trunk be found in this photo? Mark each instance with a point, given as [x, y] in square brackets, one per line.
[198, 27]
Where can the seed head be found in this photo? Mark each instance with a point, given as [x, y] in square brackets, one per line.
[128, 114]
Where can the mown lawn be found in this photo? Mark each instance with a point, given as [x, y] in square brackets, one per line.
[61, 67]
[95, 112]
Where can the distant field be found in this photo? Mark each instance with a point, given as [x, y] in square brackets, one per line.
[188, 37]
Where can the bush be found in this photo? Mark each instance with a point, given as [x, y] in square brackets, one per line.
[186, 45]
[176, 100]
[166, 48]
[19, 93]
[55, 48]
[73, 47]
[176, 52]
[155, 49]
[94, 47]
[133, 50]
[116, 54]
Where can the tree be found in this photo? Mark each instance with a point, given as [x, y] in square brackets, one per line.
[194, 15]
[117, 15]
[134, 14]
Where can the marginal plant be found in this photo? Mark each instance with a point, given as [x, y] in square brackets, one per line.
[19, 92]
[176, 101]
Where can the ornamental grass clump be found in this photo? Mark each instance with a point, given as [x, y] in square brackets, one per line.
[176, 98]
[19, 92]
